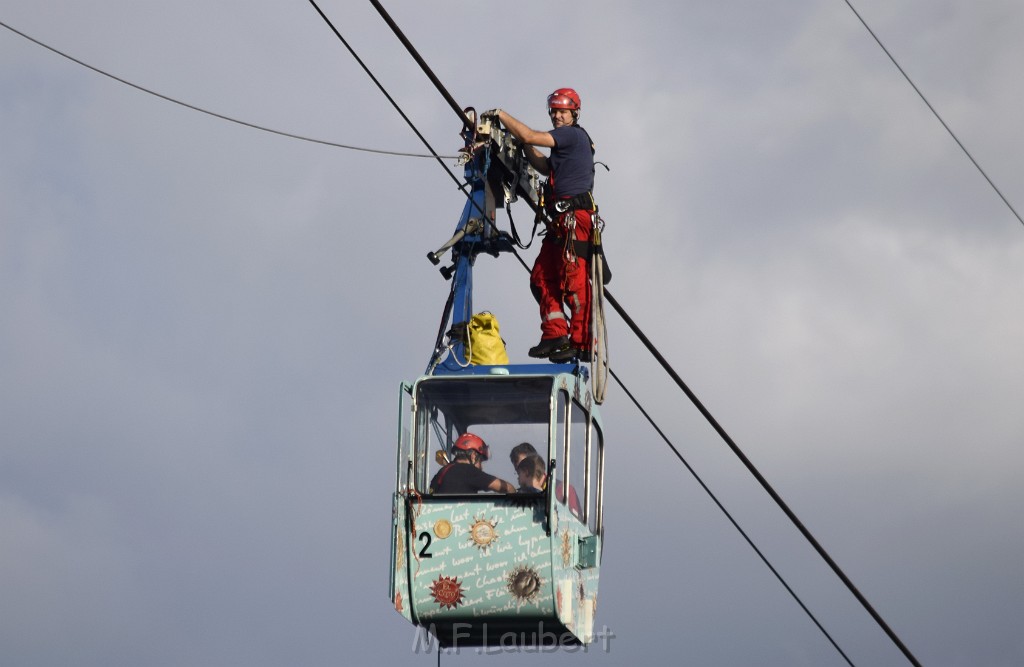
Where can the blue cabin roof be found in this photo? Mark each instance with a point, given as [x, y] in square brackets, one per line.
[515, 369]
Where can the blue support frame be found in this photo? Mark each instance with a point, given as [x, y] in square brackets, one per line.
[485, 237]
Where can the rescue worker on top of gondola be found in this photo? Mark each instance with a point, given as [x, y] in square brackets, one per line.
[560, 274]
[464, 473]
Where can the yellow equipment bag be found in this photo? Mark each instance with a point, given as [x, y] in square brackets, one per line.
[486, 348]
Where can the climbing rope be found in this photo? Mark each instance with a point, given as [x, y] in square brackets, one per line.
[598, 330]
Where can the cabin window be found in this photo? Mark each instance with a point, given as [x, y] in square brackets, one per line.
[579, 423]
[561, 442]
[404, 439]
[572, 451]
[595, 465]
[503, 411]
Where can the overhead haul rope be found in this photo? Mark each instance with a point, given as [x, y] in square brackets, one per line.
[384, 91]
[727, 514]
[422, 63]
[462, 115]
[693, 398]
[761, 479]
[213, 113]
[934, 112]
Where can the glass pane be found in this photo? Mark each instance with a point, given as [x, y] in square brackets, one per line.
[578, 427]
[561, 442]
[404, 439]
[594, 479]
[504, 412]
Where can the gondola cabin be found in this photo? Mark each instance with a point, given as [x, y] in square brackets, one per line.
[516, 567]
[499, 569]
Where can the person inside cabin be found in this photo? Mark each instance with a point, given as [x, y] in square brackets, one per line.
[465, 472]
[523, 451]
[519, 452]
[533, 474]
[560, 276]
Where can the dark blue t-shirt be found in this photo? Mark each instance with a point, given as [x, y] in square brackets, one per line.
[572, 161]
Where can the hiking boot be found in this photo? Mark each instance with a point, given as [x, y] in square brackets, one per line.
[547, 346]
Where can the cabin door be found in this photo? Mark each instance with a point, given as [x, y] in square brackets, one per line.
[398, 584]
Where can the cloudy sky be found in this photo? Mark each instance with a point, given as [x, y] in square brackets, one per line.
[203, 327]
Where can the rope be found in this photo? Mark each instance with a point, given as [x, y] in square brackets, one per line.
[762, 481]
[599, 366]
[934, 112]
[728, 516]
[384, 91]
[214, 113]
[423, 65]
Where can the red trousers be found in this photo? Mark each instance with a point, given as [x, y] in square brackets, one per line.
[560, 277]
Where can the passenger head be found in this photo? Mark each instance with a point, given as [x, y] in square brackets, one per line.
[532, 472]
[519, 452]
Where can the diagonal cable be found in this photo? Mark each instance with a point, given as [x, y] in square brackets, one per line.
[728, 515]
[386, 94]
[794, 519]
[206, 111]
[934, 112]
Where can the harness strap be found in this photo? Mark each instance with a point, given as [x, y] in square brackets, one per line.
[586, 250]
[583, 201]
[440, 476]
[515, 233]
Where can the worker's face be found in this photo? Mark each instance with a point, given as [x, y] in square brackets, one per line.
[560, 117]
[524, 478]
[515, 463]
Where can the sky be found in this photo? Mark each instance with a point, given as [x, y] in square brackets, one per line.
[204, 326]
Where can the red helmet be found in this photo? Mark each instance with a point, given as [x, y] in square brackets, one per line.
[564, 98]
[469, 442]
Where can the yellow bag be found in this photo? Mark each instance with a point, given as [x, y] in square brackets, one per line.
[486, 348]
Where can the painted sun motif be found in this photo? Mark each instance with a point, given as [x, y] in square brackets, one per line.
[442, 528]
[447, 592]
[483, 532]
[524, 583]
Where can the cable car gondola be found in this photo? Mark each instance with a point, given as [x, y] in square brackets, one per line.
[496, 569]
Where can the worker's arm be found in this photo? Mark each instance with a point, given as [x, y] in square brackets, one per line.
[523, 133]
[530, 138]
[501, 486]
[537, 160]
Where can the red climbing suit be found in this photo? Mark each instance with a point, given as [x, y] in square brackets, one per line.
[560, 276]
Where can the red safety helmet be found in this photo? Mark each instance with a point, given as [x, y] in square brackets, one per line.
[470, 442]
[564, 98]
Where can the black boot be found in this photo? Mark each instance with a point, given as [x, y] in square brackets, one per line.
[568, 354]
[547, 346]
